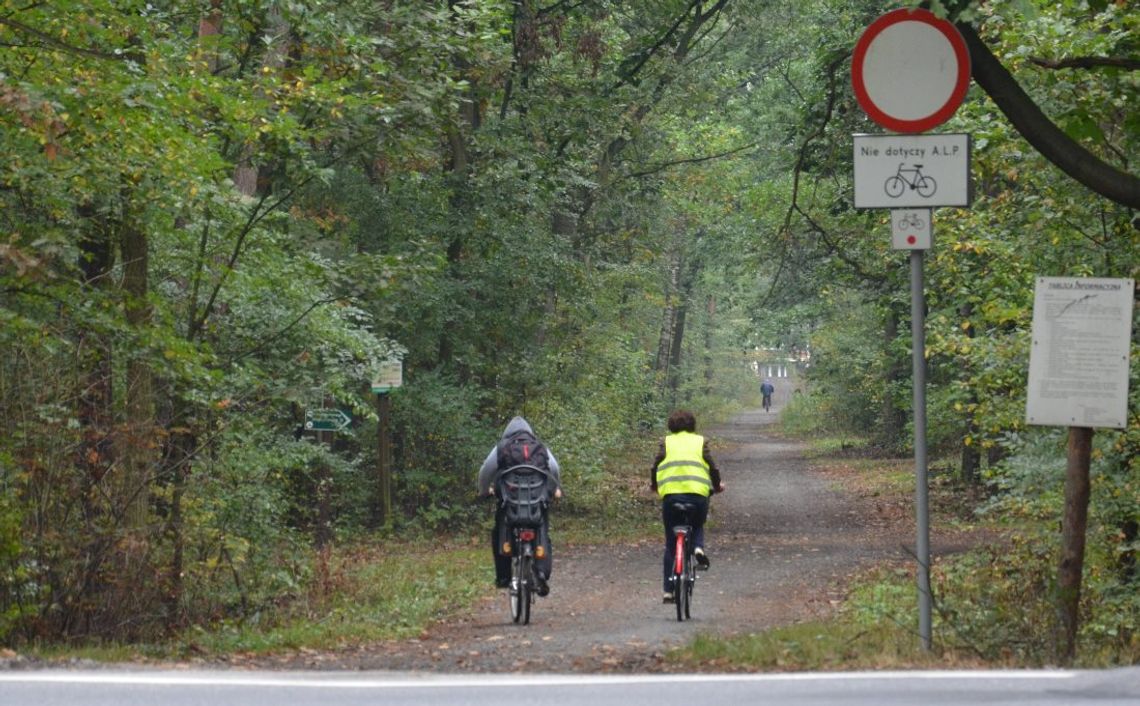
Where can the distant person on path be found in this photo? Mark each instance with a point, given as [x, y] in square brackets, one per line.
[766, 389]
[519, 446]
[684, 472]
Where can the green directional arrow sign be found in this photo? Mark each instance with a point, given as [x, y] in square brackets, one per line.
[326, 419]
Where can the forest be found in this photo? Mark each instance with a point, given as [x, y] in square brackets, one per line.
[217, 216]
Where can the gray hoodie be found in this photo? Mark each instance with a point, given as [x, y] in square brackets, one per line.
[490, 469]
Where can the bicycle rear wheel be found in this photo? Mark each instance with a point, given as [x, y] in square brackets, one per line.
[526, 590]
[678, 580]
[520, 590]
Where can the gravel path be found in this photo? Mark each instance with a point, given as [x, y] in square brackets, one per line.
[782, 539]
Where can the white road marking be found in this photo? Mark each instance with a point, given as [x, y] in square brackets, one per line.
[332, 680]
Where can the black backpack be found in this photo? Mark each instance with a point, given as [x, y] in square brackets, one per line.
[522, 449]
[524, 493]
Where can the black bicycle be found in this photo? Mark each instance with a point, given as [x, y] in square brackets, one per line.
[524, 492]
[684, 576]
[912, 178]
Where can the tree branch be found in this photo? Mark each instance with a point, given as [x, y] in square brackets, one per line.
[60, 44]
[691, 160]
[1089, 62]
[640, 60]
[1037, 129]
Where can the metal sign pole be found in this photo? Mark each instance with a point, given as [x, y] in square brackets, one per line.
[918, 343]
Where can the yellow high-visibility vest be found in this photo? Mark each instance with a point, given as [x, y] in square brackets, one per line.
[683, 470]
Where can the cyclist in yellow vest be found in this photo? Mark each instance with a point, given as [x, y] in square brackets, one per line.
[684, 472]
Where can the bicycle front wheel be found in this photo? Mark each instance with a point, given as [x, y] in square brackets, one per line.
[679, 596]
[690, 581]
[517, 591]
[894, 187]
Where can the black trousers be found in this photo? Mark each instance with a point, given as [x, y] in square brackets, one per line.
[671, 517]
[503, 561]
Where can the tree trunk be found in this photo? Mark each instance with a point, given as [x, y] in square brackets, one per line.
[710, 310]
[383, 514]
[970, 471]
[180, 450]
[893, 423]
[95, 395]
[675, 350]
[458, 168]
[247, 174]
[971, 463]
[138, 458]
[96, 451]
[322, 532]
[1073, 528]
[669, 314]
[209, 27]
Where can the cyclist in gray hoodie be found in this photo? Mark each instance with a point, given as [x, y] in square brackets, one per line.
[502, 457]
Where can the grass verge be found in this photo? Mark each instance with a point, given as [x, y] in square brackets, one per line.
[361, 593]
[832, 645]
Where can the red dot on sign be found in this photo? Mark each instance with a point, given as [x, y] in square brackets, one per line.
[911, 240]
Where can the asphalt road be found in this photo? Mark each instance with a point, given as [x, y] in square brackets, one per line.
[1038, 688]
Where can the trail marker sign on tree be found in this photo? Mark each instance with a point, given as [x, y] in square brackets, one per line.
[910, 70]
[326, 419]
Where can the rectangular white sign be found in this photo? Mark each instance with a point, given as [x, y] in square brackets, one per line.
[911, 229]
[389, 376]
[1078, 365]
[912, 171]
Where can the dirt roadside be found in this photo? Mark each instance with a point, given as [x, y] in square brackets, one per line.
[783, 540]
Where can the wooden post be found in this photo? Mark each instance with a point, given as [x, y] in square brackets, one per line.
[323, 530]
[384, 461]
[1073, 528]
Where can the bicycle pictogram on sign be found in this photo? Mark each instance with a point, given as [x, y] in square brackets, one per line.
[911, 220]
[913, 178]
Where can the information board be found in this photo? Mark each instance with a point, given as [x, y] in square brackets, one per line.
[1078, 365]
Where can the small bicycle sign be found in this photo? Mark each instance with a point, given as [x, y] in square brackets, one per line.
[910, 219]
[910, 228]
[911, 177]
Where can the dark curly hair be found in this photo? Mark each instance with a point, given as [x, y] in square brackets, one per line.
[682, 420]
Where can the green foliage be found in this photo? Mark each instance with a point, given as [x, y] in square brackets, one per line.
[846, 376]
[811, 414]
[1000, 604]
[17, 592]
[209, 227]
[357, 595]
[810, 646]
[440, 448]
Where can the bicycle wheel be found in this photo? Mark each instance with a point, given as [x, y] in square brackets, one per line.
[894, 187]
[926, 186]
[690, 581]
[526, 588]
[684, 589]
[516, 590]
[529, 587]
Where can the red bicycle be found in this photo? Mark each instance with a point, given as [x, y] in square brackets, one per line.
[684, 576]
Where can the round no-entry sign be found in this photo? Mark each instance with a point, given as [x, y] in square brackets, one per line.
[910, 70]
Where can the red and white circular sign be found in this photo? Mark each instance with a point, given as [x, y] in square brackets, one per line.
[910, 70]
